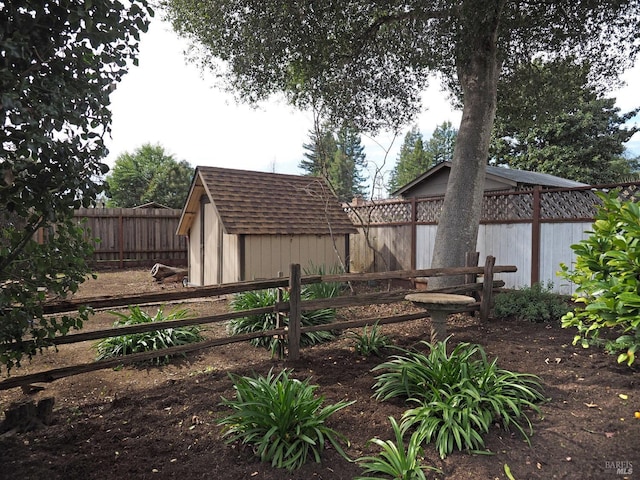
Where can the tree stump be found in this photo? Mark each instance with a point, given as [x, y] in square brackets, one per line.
[27, 416]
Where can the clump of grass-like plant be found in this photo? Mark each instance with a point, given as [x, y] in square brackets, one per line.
[458, 395]
[395, 460]
[267, 321]
[281, 419]
[370, 341]
[156, 340]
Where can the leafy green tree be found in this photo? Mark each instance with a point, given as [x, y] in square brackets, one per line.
[59, 61]
[338, 156]
[368, 62]
[149, 174]
[551, 119]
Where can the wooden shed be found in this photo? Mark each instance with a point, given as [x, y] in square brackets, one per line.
[434, 181]
[243, 225]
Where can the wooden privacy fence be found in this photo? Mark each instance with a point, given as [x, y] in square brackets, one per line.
[134, 237]
[532, 229]
[294, 307]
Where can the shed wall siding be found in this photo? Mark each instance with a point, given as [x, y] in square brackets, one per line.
[230, 258]
[211, 245]
[195, 260]
[266, 255]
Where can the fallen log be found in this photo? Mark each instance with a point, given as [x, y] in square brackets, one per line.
[162, 272]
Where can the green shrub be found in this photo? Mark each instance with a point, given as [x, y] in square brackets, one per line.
[394, 460]
[607, 276]
[267, 321]
[281, 418]
[370, 342]
[147, 341]
[534, 304]
[459, 395]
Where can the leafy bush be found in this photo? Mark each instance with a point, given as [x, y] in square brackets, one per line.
[394, 460]
[534, 304]
[267, 321]
[147, 341]
[459, 395]
[370, 342]
[607, 276]
[281, 418]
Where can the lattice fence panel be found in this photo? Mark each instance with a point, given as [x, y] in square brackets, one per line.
[380, 213]
[571, 204]
[429, 210]
[516, 206]
[630, 192]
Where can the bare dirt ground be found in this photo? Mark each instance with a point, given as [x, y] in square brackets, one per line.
[160, 422]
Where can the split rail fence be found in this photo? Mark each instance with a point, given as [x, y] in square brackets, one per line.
[532, 229]
[481, 290]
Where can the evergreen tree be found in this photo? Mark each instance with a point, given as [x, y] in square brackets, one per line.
[440, 146]
[319, 151]
[416, 157]
[354, 159]
[339, 158]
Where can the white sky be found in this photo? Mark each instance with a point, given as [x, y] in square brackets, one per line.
[166, 101]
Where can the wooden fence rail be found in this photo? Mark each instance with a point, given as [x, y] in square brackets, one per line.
[294, 307]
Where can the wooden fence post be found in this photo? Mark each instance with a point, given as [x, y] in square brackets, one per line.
[487, 288]
[295, 313]
[279, 321]
[535, 236]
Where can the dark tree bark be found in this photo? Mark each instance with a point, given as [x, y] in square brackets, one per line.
[478, 73]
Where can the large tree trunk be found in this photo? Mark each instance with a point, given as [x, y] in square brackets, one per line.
[478, 71]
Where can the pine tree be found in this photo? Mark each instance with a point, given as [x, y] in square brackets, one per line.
[412, 160]
[319, 151]
[440, 146]
[339, 158]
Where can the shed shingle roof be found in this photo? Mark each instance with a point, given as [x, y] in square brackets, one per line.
[259, 203]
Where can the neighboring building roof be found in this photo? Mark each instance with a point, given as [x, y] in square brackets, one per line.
[499, 176]
[259, 203]
[524, 177]
[152, 205]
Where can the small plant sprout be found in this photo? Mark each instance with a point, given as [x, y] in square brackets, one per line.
[370, 342]
[395, 460]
